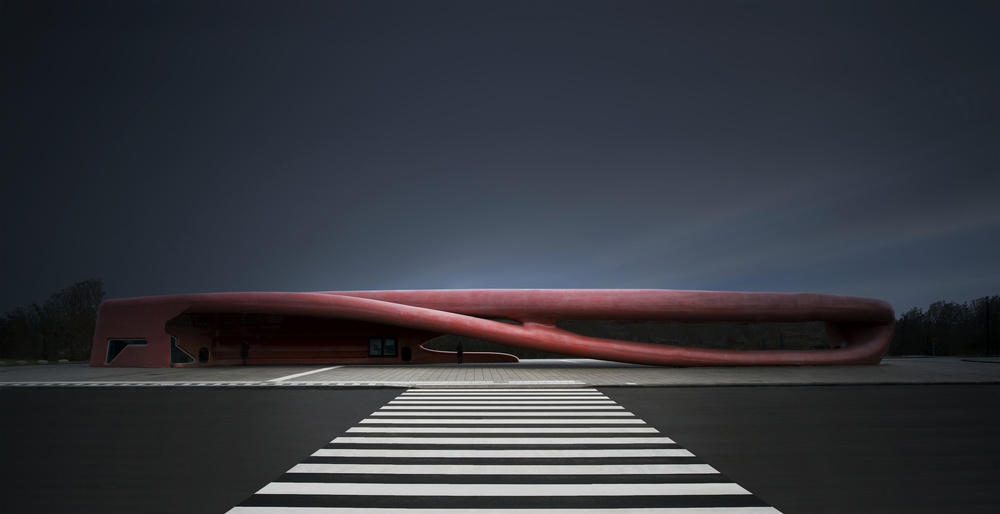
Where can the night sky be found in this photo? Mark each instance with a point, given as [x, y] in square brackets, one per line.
[183, 147]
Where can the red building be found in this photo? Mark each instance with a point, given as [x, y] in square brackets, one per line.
[390, 327]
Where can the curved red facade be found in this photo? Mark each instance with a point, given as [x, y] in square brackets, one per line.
[369, 327]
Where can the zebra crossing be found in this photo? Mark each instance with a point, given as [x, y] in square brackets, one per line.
[502, 451]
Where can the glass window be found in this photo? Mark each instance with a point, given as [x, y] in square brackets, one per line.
[389, 346]
[375, 347]
[178, 355]
[115, 346]
[382, 347]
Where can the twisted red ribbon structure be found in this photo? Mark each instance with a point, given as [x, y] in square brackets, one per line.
[339, 327]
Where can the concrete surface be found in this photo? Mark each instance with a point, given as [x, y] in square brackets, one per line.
[527, 373]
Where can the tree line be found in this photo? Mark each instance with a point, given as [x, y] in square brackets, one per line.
[949, 328]
[60, 328]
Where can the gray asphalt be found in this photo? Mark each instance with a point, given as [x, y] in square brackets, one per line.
[162, 450]
[838, 449]
[803, 449]
[528, 373]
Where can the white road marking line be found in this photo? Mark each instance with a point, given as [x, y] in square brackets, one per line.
[498, 390]
[500, 469]
[501, 440]
[526, 390]
[373, 510]
[595, 401]
[461, 416]
[501, 392]
[297, 375]
[502, 397]
[362, 489]
[504, 430]
[504, 454]
[503, 421]
[499, 407]
[504, 413]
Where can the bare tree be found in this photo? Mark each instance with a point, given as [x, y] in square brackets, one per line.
[61, 327]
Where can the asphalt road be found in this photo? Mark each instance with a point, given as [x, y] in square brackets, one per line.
[161, 450]
[802, 449]
[836, 449]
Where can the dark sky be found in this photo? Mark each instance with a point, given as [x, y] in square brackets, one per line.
[180, 147]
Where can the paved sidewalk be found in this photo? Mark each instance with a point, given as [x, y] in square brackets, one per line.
[528, 373]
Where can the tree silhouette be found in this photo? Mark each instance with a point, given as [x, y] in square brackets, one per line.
[949, 328]
[62, 327]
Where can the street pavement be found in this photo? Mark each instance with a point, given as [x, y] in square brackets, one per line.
[528, 373]
[910, 435]
[502, 451]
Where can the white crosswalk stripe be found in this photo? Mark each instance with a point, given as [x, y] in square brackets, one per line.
[505, 469]
[466, 441]
[509, 412]
[504, 402]
[506, 421]
[502, 451]
[504, 430]
[424, 408]
[506, 453]
[439, 489]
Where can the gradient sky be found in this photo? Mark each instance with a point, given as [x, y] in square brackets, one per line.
[203, 146]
